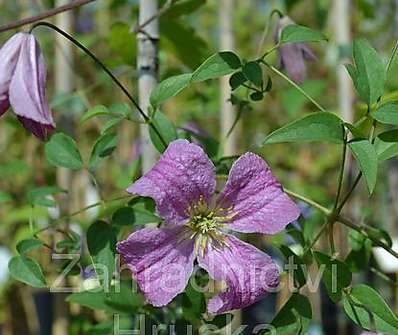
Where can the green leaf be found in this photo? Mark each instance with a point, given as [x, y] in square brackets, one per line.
[217, 65]
[101, 242]
[256, 96]
[93, 112]
[336, 275]
[366, 157]
[299, 275]
[27, 270]
[253, 72]
[237, 79]
[137, 214]
[91, 299]
[112, 123]
[369, 76]
[354, 130]
[103, 148]
[40, 196]
[5, 197]
[193, 304]
[358, 259]
[387, 113]
[61, 151]
[386, 145]
[184, 8]
[320, 126]
[27, 245]
[366, 300]
[294, 317]
[295, 33]
[169, 88]
[124, 301]
[166, 129]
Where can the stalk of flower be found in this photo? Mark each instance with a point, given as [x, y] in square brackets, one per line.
[292, 56]
[22, 84]
[197, 224]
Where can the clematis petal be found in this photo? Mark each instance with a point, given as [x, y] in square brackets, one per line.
[292, 55]
[256, 198]
[248, 272]
[292, 60]
[179, 179]
[161, 262]
[9, 54]
[27, 90]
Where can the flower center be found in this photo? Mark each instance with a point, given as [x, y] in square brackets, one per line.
[204, 223]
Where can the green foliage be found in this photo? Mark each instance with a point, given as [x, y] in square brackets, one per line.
[93, 112]
[169, 88]
[336, 275]
[101, 243]
[237, 79]
[387, 113]
[294, 317]
[116, 301]
[27, 270]
[103, 147]
[253, 72]
[300, 278]
[295, 33]
[359, 256]
[166, 130]
[386, 145]
[366, 156]
[367, 308]
[139, 212]
[175, 34]
[61, 151]
[368, 74]
[293, 101]
[40, 196]
[25, 246]
[217, 65]
[5, 197]
[121, 43]
[320, 126]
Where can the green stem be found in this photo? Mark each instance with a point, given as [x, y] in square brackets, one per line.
[310, 202]
[364, 233]
[265, 54]
[349, 193]
[82, 210]
[107, 71]
[342, 167]
[266, 28]
[316, 238]
[340, 219]
[383, 276]
[291, 82]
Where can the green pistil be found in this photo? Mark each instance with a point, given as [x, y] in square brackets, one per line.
[204, 223]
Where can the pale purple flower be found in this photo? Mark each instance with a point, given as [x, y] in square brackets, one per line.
[22, 84]
[292, 56]
[183, 183]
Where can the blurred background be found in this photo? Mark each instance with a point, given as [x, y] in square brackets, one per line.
[188, 32]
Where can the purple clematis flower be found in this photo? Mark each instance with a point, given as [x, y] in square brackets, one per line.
[22, 84]
[183, 183]
[292, 56]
